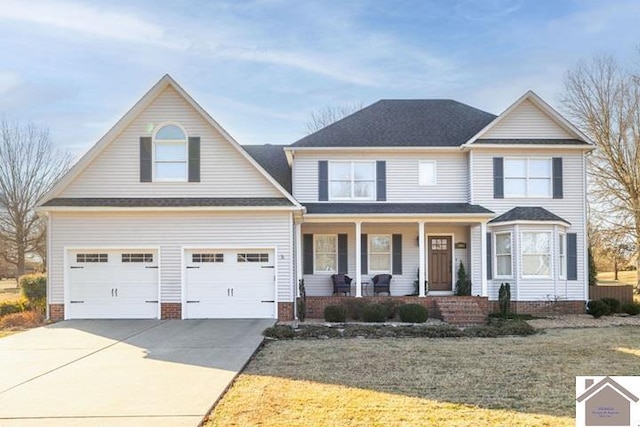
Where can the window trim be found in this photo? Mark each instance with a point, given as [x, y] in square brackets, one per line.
[315, 261]
[562, 257]
[435, 173]
[549, 254]
[352, 180]
[185, 144]
[496, 255]
[527, 178]
[369, 253]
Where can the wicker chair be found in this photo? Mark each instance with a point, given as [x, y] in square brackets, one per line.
[381, 283]
[341, 284]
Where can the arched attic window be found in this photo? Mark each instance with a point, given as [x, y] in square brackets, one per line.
[170, 154]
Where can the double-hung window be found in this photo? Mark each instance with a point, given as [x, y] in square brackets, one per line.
[170, 154]
[562, 256]
[536, 254]
[503, 254]
[352, 180]
[527, 178]
[380, 253]
[325, 253]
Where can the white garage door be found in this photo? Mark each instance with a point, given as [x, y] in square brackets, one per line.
[112, 284]
[229, 284]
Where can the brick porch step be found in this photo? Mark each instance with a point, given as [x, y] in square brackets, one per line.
[460, 312]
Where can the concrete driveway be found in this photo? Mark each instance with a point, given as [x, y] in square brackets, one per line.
[122, 372]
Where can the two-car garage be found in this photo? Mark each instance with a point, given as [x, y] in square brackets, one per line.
[216, 283]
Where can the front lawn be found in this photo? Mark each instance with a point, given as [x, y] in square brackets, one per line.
[624, 278]
[509, 381]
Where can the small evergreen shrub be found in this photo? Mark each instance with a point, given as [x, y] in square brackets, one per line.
[335, 313]
[391, 306]
[34, 289]
[281, 332]
[504, 299]
[463, 284]
[11, 307]
[631, 308]
[374, 313]
[413, 313]
[614, 305]
[354, 307]
[301, 309]
[598, 308]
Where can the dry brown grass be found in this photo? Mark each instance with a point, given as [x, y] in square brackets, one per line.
[514, 381]
[624, 278]
[23, 320]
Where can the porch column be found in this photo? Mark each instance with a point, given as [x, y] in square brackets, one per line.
[422, 264]
[298, 237]
[358, 260]
[483, 258]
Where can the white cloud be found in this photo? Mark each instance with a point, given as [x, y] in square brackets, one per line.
[9, 81]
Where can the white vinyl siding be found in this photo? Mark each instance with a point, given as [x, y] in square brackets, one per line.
[527, 121]
[402, 284]
[402, 174]
[171, 231]
[224, 171]
[571, 208]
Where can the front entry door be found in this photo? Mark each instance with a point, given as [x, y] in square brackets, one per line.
[439, 258]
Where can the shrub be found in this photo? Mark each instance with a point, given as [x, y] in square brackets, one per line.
[354, 307]
[463, 284]
[301, 309]
[34, 289]
[281, 332]
[413, 313]
[504, 299]
[631, 308]
[11, 307]
[614, 305]
[317, 331]
[598, 308]
[391, 306]
[22, 320]
[335, 313]
[374, 313]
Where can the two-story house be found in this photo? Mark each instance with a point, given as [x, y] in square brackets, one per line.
[167, 216]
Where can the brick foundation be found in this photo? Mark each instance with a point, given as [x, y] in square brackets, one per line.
[546, 308]
[171, 310]
[56, 312]
[316, 305]
[285, 311]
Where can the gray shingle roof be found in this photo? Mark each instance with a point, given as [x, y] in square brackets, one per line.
[532, 141]
[273, 160]
[166, 202]
[528, 213]
[394, 208]
[400, 123]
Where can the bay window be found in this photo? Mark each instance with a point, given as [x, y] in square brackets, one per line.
[536, 254]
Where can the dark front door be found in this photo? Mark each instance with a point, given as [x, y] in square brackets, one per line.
[439, 263]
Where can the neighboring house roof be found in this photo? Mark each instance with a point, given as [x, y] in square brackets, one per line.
[521, 141]
[528, 213]
[169, 202]
[394, 208]
[607, 381]
[128, 118]
[273, 159]
[398, 123]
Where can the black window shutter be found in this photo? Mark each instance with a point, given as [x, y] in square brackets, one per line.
[396, 244]
[343, 266]
[307, 254]
[498, 178]
[572, 256]
[557, 178]
[145, 159]
[194, 159]
[364, 255]
[381, 180]
[489, 258]
[323, 180]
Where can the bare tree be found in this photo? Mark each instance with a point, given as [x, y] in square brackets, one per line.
[328, 115]
[29, 166]
[604, 100]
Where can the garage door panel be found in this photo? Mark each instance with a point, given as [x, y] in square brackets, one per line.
[107, 284]
[229, 284]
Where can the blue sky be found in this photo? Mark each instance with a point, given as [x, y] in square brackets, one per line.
[261, 67]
